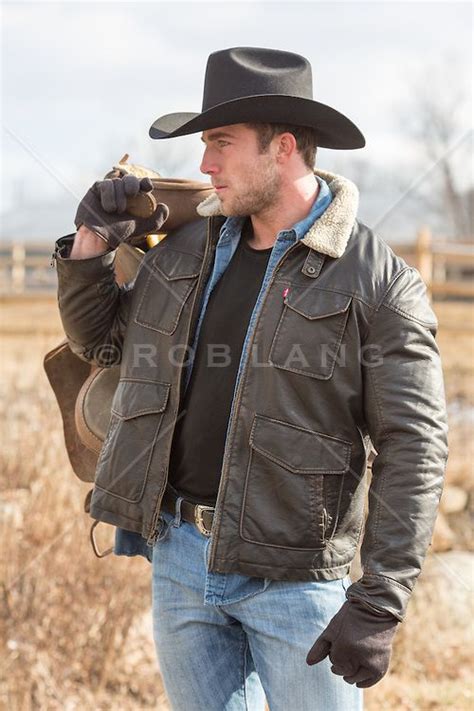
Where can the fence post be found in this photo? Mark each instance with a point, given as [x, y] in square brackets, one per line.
[424, 256]
[18, 268]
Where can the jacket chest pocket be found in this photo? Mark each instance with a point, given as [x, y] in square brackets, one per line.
[126, 455]
[293, 482]
[310, 332]
[171, 279]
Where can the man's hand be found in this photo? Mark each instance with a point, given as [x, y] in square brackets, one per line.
[87, 244]
[359, 644]
[103, 210]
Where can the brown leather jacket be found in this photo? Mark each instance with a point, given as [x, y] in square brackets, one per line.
[345, 359]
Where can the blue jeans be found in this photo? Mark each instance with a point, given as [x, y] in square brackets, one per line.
[224, 642]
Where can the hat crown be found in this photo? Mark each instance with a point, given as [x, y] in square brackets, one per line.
[261, 85]
[253, 71]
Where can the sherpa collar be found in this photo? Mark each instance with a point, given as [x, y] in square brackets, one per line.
[330, 233]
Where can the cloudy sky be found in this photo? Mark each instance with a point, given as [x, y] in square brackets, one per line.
[83, 81]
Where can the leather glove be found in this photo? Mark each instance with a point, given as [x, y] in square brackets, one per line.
[103, 210]
[359, 644]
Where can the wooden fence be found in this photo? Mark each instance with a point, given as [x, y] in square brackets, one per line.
[25, 270]
[446, 267]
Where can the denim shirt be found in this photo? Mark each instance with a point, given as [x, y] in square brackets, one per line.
[128, 542]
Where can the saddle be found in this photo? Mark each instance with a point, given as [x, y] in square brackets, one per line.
[84, 391]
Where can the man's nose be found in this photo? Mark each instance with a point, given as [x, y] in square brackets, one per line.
[208, 166]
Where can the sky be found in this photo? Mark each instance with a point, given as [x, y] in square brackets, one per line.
[83, 81]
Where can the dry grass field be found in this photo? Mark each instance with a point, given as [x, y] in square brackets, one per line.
[76, 631]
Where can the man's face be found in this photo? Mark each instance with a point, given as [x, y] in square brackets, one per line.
[247, 182]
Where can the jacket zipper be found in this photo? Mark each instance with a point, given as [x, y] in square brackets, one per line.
[154, 529]
[217, 513]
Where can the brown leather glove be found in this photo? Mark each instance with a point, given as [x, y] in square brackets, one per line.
[103, 210]
[359, 644]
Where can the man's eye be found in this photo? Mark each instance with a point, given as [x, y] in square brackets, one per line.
[221, 144]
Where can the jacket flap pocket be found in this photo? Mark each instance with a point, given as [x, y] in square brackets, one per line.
[177, 265]
[135, 398]
[314, 303]
[299, 450]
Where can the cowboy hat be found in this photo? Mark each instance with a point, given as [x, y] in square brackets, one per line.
[252, 84]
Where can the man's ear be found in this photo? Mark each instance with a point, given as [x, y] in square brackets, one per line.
[286, 146]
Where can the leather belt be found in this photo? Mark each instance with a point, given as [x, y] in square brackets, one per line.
[200, 515]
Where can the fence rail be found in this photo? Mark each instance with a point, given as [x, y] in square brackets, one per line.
[26, 269]
[447, 268]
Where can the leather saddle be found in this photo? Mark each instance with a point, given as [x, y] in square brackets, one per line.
[84, 391]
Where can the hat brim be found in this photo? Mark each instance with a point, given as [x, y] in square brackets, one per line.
[334, 130]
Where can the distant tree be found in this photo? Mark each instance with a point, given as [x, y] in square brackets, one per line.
[438, 120]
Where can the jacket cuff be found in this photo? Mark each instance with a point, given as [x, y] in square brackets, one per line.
[89, 269]
[381, 594]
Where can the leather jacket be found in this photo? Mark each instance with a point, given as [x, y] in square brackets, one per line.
[345, 360]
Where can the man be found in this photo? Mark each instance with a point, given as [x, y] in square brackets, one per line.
[262, 348]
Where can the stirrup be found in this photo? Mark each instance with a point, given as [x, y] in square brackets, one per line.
[95, 548]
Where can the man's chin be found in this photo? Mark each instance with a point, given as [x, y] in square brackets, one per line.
[226, 209]
[229, 210]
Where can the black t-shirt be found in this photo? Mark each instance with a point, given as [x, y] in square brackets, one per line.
[199, 437]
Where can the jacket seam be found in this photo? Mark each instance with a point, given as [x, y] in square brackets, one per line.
[409, 316]
[143, 380]
[169, 249]
[303, 472]
[105, 276]
[290, 425]
[373, 384]
[388, 579]
[346, 292]
[387, 290]
[272, 567]
[115, 513]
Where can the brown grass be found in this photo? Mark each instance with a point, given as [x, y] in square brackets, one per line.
[77, 630]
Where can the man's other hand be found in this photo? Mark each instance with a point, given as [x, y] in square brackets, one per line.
[358, 642]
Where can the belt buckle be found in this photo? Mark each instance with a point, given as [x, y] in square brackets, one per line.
[198, 512]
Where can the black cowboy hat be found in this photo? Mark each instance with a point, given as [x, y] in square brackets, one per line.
[251, 84]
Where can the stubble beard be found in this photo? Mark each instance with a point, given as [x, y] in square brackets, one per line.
[260, 194]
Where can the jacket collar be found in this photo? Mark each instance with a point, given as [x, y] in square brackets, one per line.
[330, 233]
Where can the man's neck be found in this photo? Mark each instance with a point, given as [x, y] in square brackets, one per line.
[295, 204]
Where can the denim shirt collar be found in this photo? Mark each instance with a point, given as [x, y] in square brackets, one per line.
[232, 227]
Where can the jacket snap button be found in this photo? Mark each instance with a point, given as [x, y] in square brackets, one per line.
[310, 270]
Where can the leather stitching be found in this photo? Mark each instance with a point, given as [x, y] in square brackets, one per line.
[339, 337]
[347, 445]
